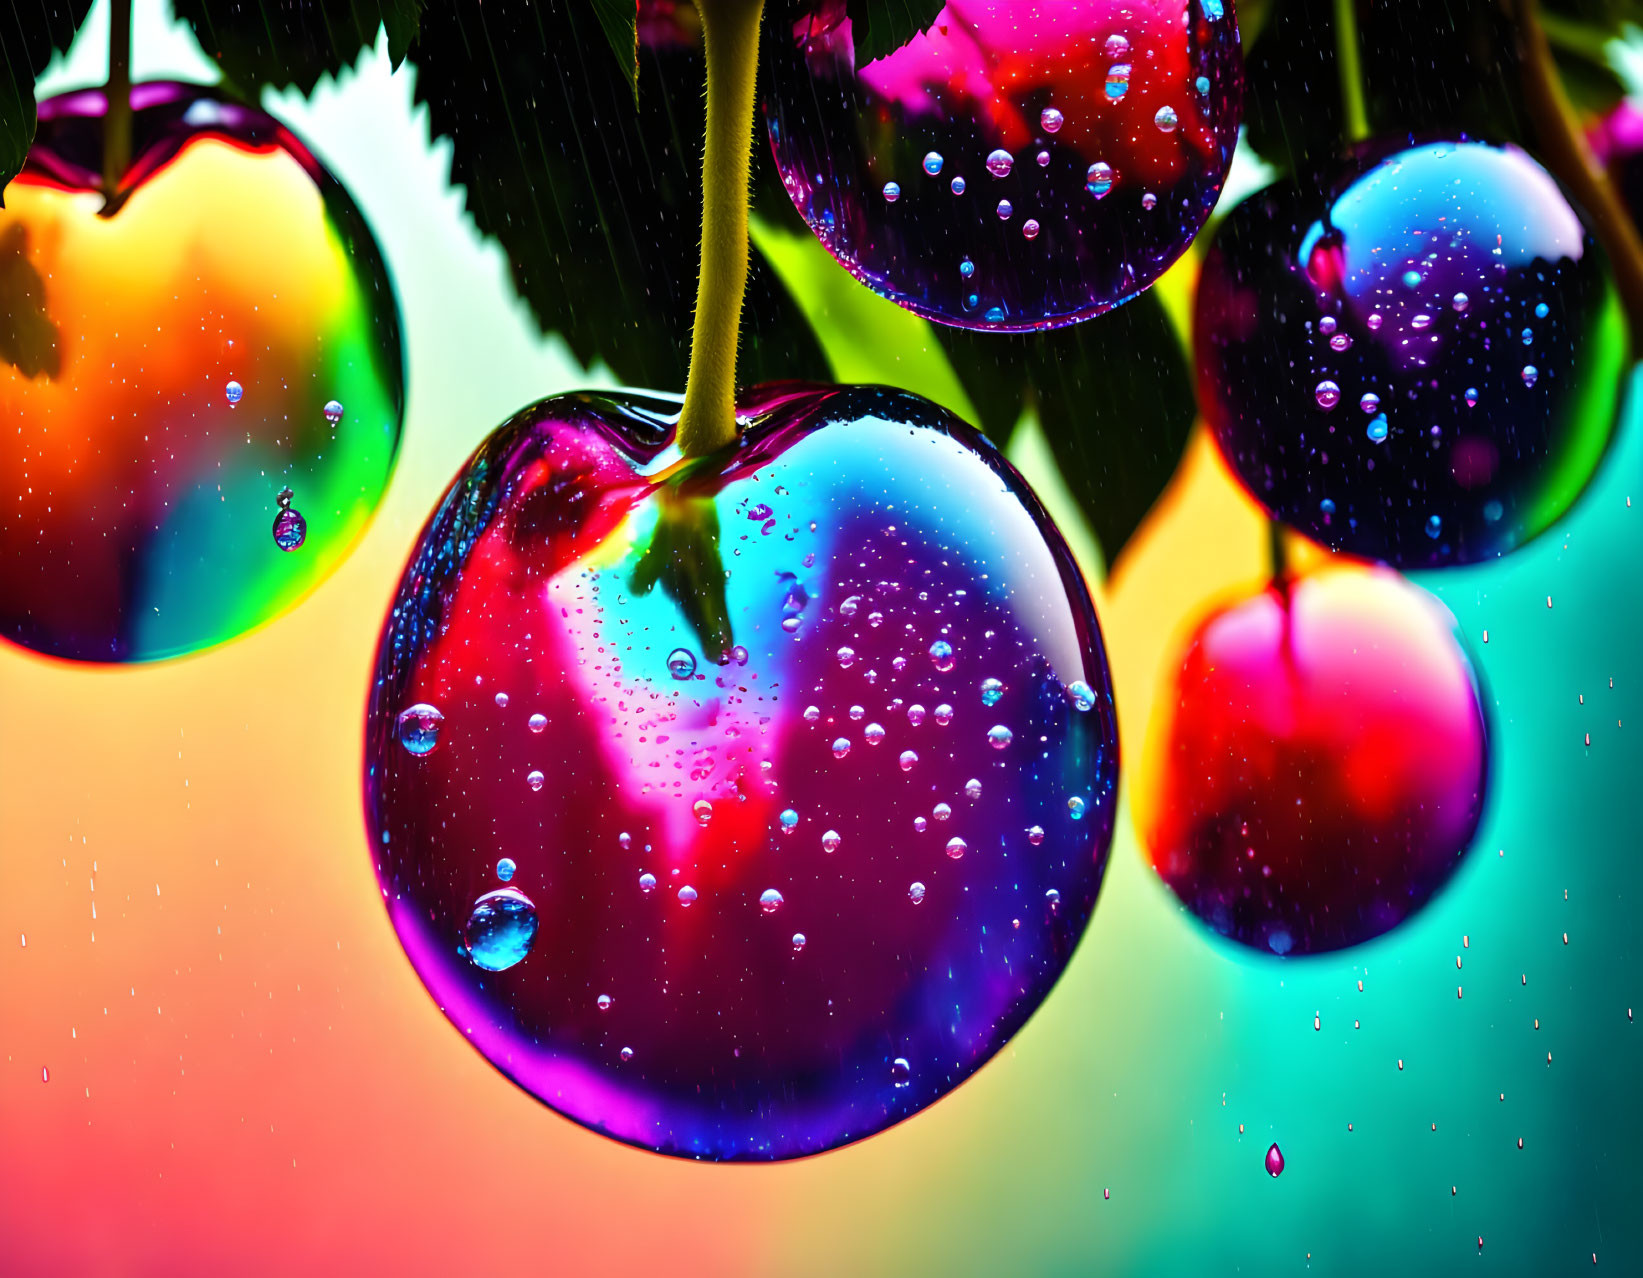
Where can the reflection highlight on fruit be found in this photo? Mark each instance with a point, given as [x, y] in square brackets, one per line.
[1318, 765]
[223, 330]
[825, 840]
[1018, 166]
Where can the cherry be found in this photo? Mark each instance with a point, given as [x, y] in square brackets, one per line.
[739, 806]
[201, 378]
[1019, 166]
[1319, 766]
[1416, 357]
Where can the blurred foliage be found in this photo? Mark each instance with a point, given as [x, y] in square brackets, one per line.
[292, 43]
[30, 32]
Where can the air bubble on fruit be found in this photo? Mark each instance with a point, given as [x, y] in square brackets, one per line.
[1118, 80]
[1098, 179]
[992, 691]
[1030, 228]
[798, 941]
[915, 893]
[972, 788]
[831, 840]
[770, 900]
[933, 162]
[857, 713]
[789, 818]
[915, 714]
[1327, 393]
[941, 655]
[892, 192]
[873, 733]
[687, 895]
[1083, 696]
[1530, 374]
[1050, 120]
[234, 391]
[846, 656]
[944, 714]
[1370, 403]
[647, 883]
[908, 760]
[1377, 429]
[1166, 119]
[501, 929]
[901, 1073]
[501, 700]
[957, 185]
[333, 411]
[1000, 162]
[537, 723]
[535, 779]
[956, 848]
[1005, 211]
[418, 728]
[681, 664]
[998, 736]
[841, 747]
[702, 810]
[942, 811]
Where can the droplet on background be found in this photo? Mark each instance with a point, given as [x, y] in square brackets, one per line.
[1274, 1161]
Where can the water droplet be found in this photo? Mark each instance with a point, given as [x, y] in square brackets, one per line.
[770, 900]
[915, 893]
[501, 701]
[1000, 162]
[915, 714]
[333, 411]
[1098, 179]
[1542, 310]
[234, 391]
[537, 723]
[892, 192]
[972, 788]
[1030, 228]
[681, 663]
[687, 895]
[1274, 1161]
[1202, 85]
[901, 1073]
[418, 728]
[1050, 120]
[1340, 342]
[604, 1001]
[1471, 397]
[702, 810]
[873, 733]
[500, 929]
[505, 868]
[1035, 834]
[920, 824]
[1327, 393]
[798, 942]
[1531, 374]
[1166, 119]
[847, 658]
[1377, 429]
[907, 760]
[1083, 696]
[1411, 278]
[1118, 80]
[933, 160]
[857, 713]
[812, 714]
[831, 840]
[998, 736]
[1370, 402]
[991, 691]
[1005, 210]
[647, 883]
[1052, 899]
[1528, 336]
[944, 714]
[1421, 321]
[966, 268]
[1460, 301]
[1434, 526]
[627, 1053]
[789, 819]
[1374, 321]
[958, 185]
[941, 653]
[534, 779]
[850, 605]
[841, 747]
[290, 528]
[941, 811]
[1075, 808]
[956, 848]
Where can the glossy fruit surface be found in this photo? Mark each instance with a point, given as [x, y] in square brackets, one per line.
[1319, 765]
[777, 899]
[1020, 165]
[223, 331]
[1417, 358]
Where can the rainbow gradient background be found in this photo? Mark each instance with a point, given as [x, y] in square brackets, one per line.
[232, 1069]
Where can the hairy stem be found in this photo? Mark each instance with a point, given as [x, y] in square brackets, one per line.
[1562, 145]
[730, 32]
[1351, 71]
[117, 119]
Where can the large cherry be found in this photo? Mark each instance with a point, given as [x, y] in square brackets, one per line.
[1416, 357]
[200, 378]
[1319, 765]
[1020, 165]
[739, 807]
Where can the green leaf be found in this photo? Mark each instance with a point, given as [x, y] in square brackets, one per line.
[1113, 397]
[292, 43]
[29, 33]
[620, 20]
[880, 27]
[597, 206]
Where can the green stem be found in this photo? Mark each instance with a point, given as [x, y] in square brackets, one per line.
[1562, 146]
[1351, 70]
[730, 32]
[117, 118]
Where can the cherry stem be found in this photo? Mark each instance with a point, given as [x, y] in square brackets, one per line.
[1563, 147]
[730, 34]
[117, 117]
[1351, 71]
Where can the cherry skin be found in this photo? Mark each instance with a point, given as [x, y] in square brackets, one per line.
[1415, 358]
[173, 361]
[1019, 166]
[1319, 766]
[761, 903]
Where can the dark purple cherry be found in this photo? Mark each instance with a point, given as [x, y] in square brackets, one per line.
[1416, 357]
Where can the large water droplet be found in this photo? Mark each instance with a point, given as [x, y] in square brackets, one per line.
[418, 728]
[1000, 162]
[681, 663]
[234, 391]
[500, 929]
[998, 736]
[933, 161]
[991, 692]
[1274, 1161]
[1050, 120]
[1118, 80]
[1327, 393]
[1098, 179]
[770, 901]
